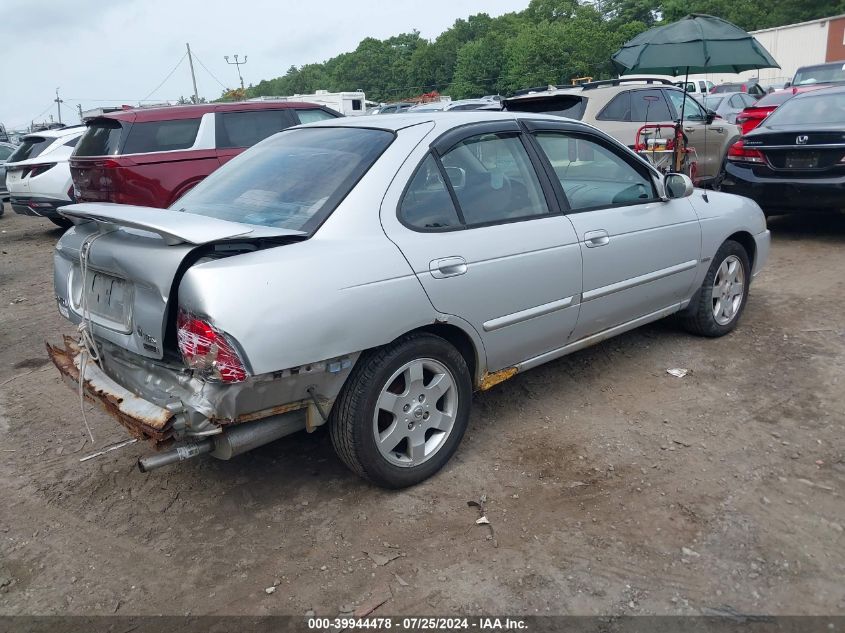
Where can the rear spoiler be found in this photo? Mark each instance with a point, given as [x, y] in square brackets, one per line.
[174, 227]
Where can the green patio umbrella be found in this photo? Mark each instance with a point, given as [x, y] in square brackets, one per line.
[695, 44]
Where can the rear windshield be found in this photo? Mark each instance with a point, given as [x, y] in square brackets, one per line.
[30, 147]
[712, 103]
[823, 108]
[774, 98]
[274, 184]
[102, 138]
[570, 106]
[729, 88]
[819, 74]
[161, 136]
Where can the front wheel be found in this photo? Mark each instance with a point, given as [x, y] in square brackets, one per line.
[717, 307]
[403, 411]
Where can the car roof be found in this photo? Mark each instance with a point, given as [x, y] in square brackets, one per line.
[443, 120]
[166, 113]
[59, 133]
[594, 88]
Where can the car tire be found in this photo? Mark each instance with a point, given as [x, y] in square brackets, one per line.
[403, 411]
[717, 307]
[61, 222]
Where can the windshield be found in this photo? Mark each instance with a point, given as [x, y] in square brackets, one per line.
[819, 74]
[823, 108]
[712, 103]
[292, 180]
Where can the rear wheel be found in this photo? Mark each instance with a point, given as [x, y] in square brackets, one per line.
[403, 411]
[724, 293]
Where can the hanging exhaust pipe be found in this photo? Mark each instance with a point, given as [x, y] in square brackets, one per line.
[239, 439]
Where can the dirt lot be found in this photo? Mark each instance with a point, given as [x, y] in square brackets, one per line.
[612, 487]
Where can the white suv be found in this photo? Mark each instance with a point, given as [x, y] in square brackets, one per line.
[38, 174]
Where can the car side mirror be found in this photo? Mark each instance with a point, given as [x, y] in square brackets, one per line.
[788, 84]
[677, 186]
[711, 116]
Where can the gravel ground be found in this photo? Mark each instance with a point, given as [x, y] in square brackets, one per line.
[612, 487]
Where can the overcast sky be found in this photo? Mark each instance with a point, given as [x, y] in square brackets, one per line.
[107, 52]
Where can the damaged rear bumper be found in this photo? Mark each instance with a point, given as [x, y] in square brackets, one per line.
[143, 419]
[167, 404]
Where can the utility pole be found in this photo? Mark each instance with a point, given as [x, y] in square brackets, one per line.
[193, 76]
[237, 65]
[59, 103]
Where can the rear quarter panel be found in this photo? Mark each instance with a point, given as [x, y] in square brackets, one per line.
[345, 290]
[721, 215]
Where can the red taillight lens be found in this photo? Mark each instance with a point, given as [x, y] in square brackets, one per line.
[741, 154]
[207, 350]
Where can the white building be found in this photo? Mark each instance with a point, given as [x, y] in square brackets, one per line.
[793, 46]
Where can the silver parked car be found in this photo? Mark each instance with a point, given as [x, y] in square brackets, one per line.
[729, 104]
[369, 273]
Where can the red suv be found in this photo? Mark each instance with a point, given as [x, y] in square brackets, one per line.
[152, 156]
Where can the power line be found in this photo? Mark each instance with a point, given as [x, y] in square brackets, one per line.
[196, 57]
[169, 75]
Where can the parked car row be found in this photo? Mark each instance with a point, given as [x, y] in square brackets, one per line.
[794, 160]
[146, 156]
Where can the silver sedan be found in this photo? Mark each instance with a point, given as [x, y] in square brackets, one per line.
[370, 273]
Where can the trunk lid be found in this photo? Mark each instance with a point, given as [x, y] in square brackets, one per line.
[800, 152]
[136, 256]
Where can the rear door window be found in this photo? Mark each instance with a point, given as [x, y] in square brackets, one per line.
[311, 116]
[102, 138]
[161, 136]
[493, 179]
[30, 147]
[427, 204]
[5, 152]
[245, 129]
[650, 105]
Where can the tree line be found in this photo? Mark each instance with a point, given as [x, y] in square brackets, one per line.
[550, 42]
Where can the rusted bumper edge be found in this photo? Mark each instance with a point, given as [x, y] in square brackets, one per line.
[143, 419]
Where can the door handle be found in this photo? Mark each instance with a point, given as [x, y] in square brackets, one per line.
[447, 267]
[596, 238]
[718, 129]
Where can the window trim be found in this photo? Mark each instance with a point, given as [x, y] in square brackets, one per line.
[637, 166]
[450, 139]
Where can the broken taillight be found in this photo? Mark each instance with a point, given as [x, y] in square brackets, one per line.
[207, 349]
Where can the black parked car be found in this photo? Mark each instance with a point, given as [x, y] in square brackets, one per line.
[795, 160]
